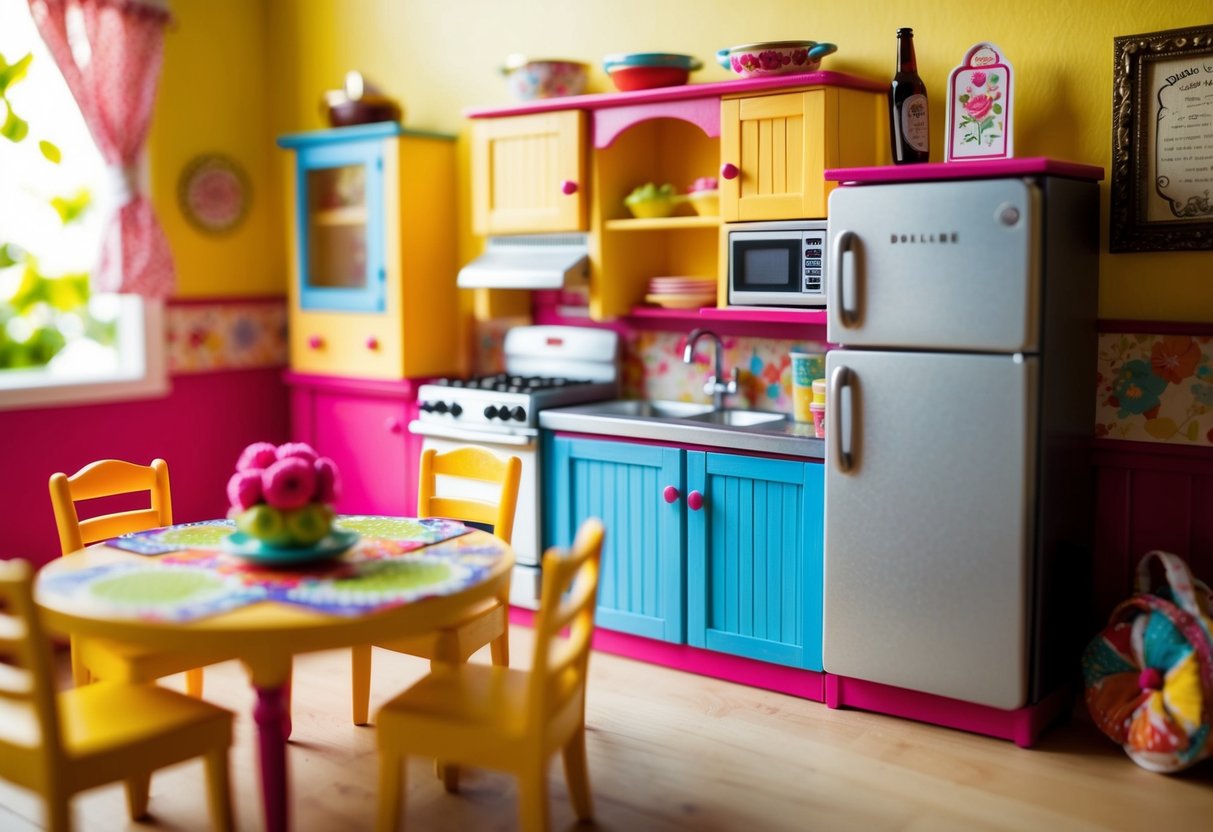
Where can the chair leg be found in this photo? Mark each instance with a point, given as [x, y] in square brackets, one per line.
[360, 682]
[392, 786]
[499, 648]
[577, 775]
[58, 810]
[533, 798]
[138, 787]
[80, 674]
[193, 682]
[219, 790]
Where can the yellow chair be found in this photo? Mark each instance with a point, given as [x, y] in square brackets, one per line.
[489, 623]
[58, 744]
[511, 720]
[102, 658]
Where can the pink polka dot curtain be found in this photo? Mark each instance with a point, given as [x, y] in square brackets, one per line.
[110, 53]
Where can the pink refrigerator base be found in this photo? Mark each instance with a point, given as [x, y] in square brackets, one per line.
[1023, 726]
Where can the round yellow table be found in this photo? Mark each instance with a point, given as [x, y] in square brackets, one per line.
[265, 634]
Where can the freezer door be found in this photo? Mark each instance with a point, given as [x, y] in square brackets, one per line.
[930, 465]
[935, 265]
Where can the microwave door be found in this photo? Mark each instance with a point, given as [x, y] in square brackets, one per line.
[935, 265]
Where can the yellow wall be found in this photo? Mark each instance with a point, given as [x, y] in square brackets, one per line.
[442, 56]
[213, 99]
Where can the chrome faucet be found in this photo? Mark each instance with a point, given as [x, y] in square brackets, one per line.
[715, 387]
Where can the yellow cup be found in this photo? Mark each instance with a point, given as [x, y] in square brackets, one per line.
[805, 367]
[819, 391]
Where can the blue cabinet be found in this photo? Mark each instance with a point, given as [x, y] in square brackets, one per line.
[720, 551]
[754, 564]
[640, 588]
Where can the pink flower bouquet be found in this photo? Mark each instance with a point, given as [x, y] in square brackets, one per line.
[282, 495]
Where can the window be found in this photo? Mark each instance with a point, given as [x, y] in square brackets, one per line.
[58, 342]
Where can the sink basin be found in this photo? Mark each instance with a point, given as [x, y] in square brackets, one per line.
[738, 418]
[651, 409]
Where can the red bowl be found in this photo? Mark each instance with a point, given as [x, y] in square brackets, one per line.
[648, 77]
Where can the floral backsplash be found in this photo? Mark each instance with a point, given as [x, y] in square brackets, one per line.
[1150, 388]
[1155, 388]
[203, 337]
[653, 368]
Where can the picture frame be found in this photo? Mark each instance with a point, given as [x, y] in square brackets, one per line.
[1162, 142]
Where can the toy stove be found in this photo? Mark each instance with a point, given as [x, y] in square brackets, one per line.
[545, 366]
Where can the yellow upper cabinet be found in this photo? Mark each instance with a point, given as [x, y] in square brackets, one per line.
[775, 148]
[529, 173]
[372, 252]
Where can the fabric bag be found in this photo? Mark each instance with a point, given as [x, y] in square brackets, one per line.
[1149, 673]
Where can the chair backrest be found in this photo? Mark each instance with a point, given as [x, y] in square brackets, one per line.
[481, 466]
[29, 720]
[107, 478]
[568, 598]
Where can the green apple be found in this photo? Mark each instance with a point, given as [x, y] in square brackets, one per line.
[309, 524]
[265, 523]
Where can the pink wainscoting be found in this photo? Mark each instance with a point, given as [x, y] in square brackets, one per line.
[200, 428]
[1149, 495]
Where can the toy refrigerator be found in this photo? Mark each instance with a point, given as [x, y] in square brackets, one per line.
[960, 407]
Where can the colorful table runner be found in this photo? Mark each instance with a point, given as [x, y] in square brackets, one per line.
[396, 561]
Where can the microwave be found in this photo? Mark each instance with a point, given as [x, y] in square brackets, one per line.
[776, 263]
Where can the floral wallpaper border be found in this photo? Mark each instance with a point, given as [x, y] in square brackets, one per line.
[226, 335]
[1155, 388]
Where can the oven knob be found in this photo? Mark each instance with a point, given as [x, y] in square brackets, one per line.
[490, 412]
[456, 409]
[427, 407]
[519, 414]
[440, 407]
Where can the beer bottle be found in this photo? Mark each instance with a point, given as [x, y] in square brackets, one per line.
[908, 106]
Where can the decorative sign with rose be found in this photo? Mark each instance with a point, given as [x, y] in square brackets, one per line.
[979, 107]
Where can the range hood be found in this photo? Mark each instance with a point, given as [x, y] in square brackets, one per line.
[530, 261]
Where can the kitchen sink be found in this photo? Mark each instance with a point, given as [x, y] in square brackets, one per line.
[651, 409]
[738, 418]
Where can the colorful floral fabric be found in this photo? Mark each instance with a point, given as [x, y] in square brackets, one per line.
[1155, 388]
[203, 337]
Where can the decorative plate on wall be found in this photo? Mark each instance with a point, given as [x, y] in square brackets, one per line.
[214, 193]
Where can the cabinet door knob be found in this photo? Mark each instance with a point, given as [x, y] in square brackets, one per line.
[568, 187]
[670, 494]
[315, 341]
[729, 170]
[695, 500]
[372, 343]
[393, 425]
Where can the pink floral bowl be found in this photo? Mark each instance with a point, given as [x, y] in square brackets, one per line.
[531, 79]
[783, 57]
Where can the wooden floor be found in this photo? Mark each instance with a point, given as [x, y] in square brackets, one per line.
[669, 750]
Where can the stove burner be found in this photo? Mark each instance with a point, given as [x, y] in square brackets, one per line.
[507, 383]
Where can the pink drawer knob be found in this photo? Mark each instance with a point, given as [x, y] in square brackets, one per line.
[670, 494]
[315, 341]
[393, 425]
[695, 500]
[372, 343]
[568, 187]
[729, 170]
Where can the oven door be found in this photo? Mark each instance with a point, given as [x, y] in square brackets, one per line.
[524, 588]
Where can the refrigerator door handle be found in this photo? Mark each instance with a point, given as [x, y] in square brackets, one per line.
[843, 245]
[843, 456]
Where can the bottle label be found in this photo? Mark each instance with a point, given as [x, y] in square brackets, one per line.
[914, 122]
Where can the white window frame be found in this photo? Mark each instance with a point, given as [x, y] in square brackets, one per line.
[142, 373]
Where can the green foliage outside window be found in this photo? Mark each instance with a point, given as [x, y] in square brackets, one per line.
[40, 313]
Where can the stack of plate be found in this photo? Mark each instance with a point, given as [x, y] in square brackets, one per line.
[681, 292]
